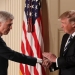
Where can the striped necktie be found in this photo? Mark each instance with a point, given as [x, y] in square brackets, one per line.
[68, 41]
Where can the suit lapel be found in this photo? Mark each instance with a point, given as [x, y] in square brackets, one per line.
[64, 39]
[69, 45]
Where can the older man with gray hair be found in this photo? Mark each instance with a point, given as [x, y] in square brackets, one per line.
[6, 21]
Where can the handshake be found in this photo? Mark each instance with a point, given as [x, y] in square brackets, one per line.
[48, 59]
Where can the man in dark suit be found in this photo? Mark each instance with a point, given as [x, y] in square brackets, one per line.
[6, 21]
[66, 61]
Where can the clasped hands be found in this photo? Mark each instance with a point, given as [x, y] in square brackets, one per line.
[48, 59]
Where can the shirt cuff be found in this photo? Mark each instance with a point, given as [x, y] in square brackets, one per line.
[56, 63]
[39, 60]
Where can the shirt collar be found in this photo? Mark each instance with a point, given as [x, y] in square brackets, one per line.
[73, 34]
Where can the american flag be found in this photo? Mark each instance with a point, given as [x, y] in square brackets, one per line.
[32, 38]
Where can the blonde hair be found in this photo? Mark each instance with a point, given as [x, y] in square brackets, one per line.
[68, 14]
[4, 16]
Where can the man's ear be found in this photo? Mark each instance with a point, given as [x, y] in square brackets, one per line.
[73, 24]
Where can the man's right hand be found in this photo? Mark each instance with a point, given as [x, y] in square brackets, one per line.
[51, 57]
[46, 63]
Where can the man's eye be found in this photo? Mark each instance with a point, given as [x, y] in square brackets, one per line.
[9, 24]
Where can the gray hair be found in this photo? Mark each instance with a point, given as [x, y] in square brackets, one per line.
[4, 16]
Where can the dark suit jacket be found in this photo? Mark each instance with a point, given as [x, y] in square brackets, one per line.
[8, 54]
[66, 61]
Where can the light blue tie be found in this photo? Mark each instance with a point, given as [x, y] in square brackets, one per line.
[68, 41]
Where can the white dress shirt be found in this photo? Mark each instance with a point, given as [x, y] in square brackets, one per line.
[39, 60]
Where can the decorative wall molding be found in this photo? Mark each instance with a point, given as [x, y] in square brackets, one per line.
[58, 8]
